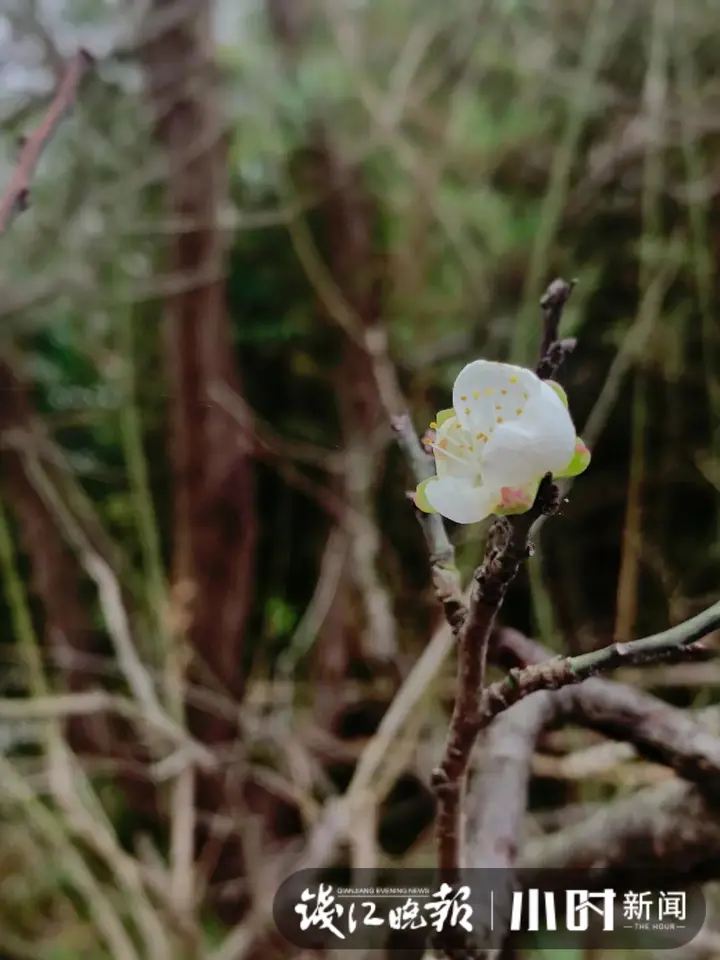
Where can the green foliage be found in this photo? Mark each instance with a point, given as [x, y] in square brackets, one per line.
[279, 617]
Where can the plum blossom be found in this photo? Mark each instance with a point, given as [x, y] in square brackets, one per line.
[506, 430]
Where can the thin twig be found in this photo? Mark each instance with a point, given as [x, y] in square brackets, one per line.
[102, 908]
[563, 671]
[659, 732]
[16, 197]
[554, 351]
[688, 754]
[445, 574]
[508, 548]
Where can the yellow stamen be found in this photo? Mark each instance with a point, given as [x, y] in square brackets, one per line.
[463, 398]
[513, 379]
[447, 455]
[489, 391]
[450, 440]
[475, 394]
[481, 436]
[503, 392]
[467, 411]
[518, 411]
[433, 425]
[499, 420]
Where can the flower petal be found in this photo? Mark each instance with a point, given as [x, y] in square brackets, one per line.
[459, 500]
[541, 441]
[517, 499]
[559, 391]
[579, 463]
[548, 416]
[486, 393]
[444, 415]
[455, 453]
[420, 500]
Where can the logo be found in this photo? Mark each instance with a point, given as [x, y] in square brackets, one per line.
[640, 911]
[322, 911]
[323, 908]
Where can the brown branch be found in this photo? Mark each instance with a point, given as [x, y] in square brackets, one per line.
[16, 196]
[659, 732]
[508, 547]
[671, 830]
[350, 214]
[564, 671]
[497, 796]
[662, 733]
[444, 572]
[472, 625]
[214, 524]
[214, 521]
[554, 351]
[55, 578]
[56, 581]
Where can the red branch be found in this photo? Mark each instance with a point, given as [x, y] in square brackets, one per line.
[16, 197]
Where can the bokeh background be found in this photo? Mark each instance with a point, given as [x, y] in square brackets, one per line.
[205, 524]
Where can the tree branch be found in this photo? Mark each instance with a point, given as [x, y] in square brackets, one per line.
[445, 574]
[508, 546]
[507, 550]
[563, 671]
[553, 351]
[671, 830]
[497, 797]
[660, 732]
[16, 197]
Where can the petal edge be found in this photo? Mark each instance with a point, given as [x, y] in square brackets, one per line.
[420, 499]
[459, 500]
[579, 462]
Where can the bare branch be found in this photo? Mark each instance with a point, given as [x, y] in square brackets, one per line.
[668, 830]
[563, 671]
[16, 197]
[553, 350]
[444, 572]
[659, 732]
[508, 547]
[497, 796]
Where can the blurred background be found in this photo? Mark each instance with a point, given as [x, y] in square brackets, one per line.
[213, 581]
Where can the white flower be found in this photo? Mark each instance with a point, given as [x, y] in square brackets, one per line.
[507, 429]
